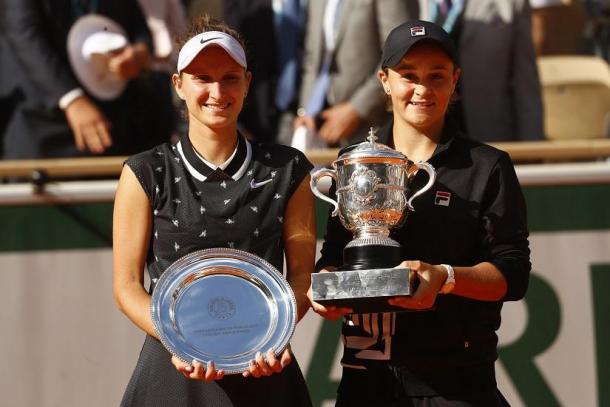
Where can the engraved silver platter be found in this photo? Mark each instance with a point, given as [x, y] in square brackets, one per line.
[223, 305]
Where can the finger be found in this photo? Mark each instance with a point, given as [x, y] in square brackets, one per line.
[92, 140]
[262, 364]
[254, 369]
[272, 361]
[79, 139]
[198, 370]
[104, 133]
[286, 358]
[210, 372]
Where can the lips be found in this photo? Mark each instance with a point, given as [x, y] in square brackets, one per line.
[421, 104]
[217, 107]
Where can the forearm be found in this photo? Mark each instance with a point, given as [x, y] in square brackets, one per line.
[135, 302]
[483, 282]
[300, 284]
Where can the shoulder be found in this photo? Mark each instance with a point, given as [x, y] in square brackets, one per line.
[155, 155]
[480, 152]
[278, 155]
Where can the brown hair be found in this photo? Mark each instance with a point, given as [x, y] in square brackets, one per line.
[204, 23]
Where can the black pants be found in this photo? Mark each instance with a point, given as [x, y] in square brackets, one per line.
[384, 388]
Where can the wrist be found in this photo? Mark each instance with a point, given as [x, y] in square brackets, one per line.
[449, 283]
[67, 99]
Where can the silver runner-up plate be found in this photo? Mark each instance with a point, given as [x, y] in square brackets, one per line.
[223, 305]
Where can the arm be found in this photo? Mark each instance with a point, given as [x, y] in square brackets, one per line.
[22, 23]
[504, 274]
[527, 97]
[300, 242]
[132, 223]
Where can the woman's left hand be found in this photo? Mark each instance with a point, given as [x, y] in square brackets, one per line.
[268, 364]
[431, 278]
[197, 370]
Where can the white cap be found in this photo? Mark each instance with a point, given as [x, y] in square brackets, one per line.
[89, 42]
[195, 45]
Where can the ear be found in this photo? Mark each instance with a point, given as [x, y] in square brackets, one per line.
[248, 80]
[456, 76]
[383, 78]
[177, 82]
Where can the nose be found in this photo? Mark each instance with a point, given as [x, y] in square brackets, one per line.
[215, 89]
[421, 89]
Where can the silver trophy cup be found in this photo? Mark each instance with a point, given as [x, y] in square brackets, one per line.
[374, 194]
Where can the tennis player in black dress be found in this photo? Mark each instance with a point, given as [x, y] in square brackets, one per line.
[213, 188]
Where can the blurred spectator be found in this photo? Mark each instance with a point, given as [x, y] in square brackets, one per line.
[597, 31]
[557, 26]
[499, 87]
[57, 115]
[167, 21]
[273, 30]
[340, 96]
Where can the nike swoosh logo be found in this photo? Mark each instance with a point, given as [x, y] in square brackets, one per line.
[209, 39]
[254, 184]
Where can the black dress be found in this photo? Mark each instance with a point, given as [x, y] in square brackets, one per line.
[196, 207]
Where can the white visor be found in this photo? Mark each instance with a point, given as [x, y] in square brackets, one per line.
[195, 45]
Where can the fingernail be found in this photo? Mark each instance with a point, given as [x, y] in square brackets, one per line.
[188, 369]
[258, 354]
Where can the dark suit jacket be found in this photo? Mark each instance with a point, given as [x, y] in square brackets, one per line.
[34, 57]
[254, 21]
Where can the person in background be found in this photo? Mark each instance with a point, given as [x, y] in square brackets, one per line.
[340, 98]
[54, 114]
[274, 31]
[499, 90]
[557, 26]
[213, 188]
[466, 245]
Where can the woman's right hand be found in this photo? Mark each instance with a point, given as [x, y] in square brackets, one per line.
[330, 312]
[196, 370]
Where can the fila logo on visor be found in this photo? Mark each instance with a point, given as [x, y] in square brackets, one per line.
[418, 31]
[442, 198]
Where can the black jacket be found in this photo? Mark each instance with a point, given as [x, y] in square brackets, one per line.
[37, 73]
[453, 347]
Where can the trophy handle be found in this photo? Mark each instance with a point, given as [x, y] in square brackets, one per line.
[431, 178]
[314, 187]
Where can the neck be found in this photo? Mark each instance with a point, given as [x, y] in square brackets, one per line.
[418, 144]
[215, 145]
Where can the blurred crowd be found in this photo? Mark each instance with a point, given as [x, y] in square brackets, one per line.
[92, 77]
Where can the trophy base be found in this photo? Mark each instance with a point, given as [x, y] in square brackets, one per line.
[361, 290]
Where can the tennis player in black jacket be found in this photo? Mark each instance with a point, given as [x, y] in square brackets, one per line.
[466, 243]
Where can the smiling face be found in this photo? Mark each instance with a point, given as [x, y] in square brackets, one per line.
[214, 87]
[421, 86]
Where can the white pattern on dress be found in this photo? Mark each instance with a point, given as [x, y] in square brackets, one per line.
[229, 221]
[277, 196]
[254, 209]
[176, 246]
[231, 244]
[159, 169]
[176, 222]
[177, 179]
[204, 233]
[280, 219]
[176, 201]
[256, 232]
[223, 184]
[226, 201]
[201, 210]
[273, 173]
